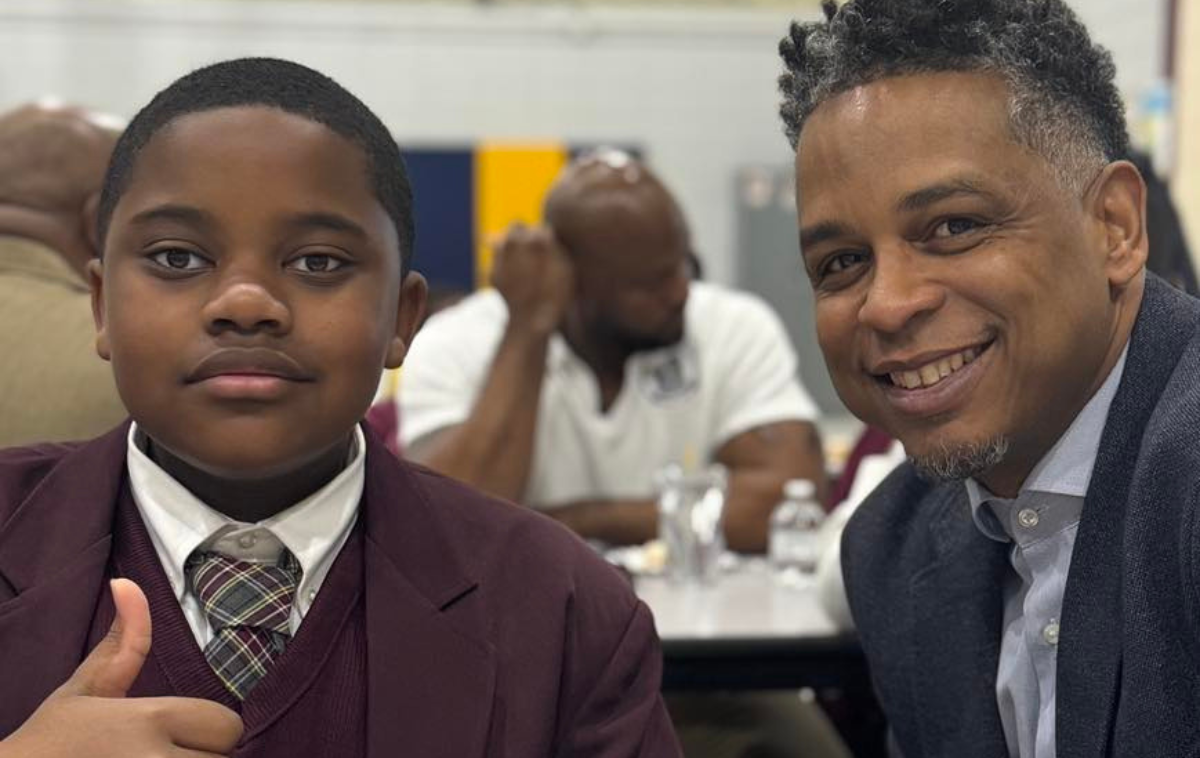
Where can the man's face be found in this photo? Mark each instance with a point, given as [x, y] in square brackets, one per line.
[633, 272]
[962, 299]
[250, 292]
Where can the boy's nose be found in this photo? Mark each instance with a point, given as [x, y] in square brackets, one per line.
[247, 308]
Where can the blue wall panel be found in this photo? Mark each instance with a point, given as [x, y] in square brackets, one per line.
[443, 189]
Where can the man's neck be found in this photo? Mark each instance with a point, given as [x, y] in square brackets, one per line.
[605, 359]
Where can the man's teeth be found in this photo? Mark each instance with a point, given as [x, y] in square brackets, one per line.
[932, 373]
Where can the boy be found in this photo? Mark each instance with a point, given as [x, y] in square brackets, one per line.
[288, 588]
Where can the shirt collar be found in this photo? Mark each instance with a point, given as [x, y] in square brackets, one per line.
[179, 522]
[1067, 468]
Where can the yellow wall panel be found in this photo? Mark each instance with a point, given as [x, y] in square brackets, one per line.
[510, 183]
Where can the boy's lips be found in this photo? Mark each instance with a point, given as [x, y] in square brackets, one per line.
[247, 373]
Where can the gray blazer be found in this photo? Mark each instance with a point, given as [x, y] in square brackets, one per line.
[924, 583]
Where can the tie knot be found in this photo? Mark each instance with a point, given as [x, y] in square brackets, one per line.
[237, 593]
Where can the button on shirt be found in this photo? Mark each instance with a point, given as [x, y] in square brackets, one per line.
[1041, 523]
[314, 530]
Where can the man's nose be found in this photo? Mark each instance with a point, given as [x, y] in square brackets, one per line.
[899, 291]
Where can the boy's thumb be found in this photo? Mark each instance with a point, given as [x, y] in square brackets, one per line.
[111, 668]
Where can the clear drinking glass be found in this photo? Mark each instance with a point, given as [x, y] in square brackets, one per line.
[691, 510]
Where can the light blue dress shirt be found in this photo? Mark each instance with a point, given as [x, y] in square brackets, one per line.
[1041, 522]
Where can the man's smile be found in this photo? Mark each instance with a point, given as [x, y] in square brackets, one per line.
[927, 371]
[933, 384]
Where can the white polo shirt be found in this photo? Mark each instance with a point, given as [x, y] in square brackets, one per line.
[734, 370]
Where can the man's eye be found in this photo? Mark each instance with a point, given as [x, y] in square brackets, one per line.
[952, 227]
[316, 263]
[841, 262]
[178, 259]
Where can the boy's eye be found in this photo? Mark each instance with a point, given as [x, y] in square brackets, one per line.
[953, 227]
[179, 259]
[316, 263]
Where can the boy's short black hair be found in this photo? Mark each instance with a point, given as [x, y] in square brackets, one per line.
[289, 87]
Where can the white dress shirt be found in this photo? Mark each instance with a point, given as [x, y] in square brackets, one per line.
[314, 529]
[1041, 522]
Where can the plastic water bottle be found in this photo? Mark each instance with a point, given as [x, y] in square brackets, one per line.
[794, 542]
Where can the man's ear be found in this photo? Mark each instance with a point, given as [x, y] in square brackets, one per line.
[95, 279]
[1119, 205]
[413, 292]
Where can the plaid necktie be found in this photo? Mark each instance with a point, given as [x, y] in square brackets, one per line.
[248, 606]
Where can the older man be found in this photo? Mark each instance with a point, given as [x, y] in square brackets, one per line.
[595, 361]
[1029, 585]
[53, 385]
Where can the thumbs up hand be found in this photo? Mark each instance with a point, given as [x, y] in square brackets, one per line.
[90, 715]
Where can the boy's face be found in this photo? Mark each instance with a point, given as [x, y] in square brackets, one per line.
[250, 292]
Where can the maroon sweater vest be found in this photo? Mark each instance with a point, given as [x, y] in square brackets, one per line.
[311, 703]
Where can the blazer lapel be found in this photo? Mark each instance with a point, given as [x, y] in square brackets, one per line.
[1089, 653]
[957, 613]
[54, 554]
[431, 677]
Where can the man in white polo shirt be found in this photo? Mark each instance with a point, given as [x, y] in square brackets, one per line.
[596, 360]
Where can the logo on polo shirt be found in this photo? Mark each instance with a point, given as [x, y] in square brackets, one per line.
[670, 374]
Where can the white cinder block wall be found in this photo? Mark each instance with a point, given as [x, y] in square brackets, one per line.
[696, 88]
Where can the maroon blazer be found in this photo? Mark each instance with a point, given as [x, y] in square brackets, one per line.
[491, 630]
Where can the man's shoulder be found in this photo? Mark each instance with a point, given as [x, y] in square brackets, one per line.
[483, 308]
[29, 259]
[729, 320]
[899, 524]
[459, 338]
[705, 297]
[1174, 427]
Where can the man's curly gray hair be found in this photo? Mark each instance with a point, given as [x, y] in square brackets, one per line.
[1063, 101]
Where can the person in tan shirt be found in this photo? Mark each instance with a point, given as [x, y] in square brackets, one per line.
[53, 385]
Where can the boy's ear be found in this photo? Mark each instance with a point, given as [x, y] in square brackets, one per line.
[95, 278]
[91, 221]
[413, 292]
[1119, 206]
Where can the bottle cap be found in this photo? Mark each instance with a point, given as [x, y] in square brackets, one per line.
[799, 489]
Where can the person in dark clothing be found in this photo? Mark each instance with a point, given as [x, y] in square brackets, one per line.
[244, 570]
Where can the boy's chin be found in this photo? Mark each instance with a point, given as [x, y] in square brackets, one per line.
[246, 460]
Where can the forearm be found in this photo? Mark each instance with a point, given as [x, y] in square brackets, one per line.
[616, 522]
[759, 463]
[753, 495]
[493, 448]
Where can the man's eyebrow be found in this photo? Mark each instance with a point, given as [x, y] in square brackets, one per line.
[174, 212]
[334, 222]
[927, 196]
[818, 233]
